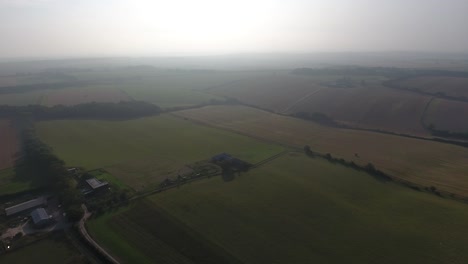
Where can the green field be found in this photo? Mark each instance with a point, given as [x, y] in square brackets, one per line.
[144, 151]
[51, 250]
[298, 210]
[423, 162]
[9, 184]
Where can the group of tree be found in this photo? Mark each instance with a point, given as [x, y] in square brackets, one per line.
[121, 110]
[391, 72]
[39, 160]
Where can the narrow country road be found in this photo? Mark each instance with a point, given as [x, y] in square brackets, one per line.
[85, 234]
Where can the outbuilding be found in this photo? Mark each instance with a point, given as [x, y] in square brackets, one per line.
[96, 184]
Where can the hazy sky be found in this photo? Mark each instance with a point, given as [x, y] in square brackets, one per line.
[44, 28]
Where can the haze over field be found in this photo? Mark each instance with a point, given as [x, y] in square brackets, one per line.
[58, 28]
[234, 131]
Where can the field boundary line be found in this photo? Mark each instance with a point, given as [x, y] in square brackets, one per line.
[267, 160]
[300, 100]
[424, 113]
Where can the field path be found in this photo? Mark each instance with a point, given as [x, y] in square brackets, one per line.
[289, 108]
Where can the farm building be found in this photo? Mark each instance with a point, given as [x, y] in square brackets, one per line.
[221, 157]
[40, 217]
[96, 184]
[26, 206]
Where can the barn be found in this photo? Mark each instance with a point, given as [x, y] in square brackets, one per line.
[26, 206]
[40, 217]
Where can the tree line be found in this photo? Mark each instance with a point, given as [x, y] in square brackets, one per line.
[121, 110]
[369, 168]
[446, 133]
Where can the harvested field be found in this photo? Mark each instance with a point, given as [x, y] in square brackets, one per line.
[423, 162]
[143, 152]
[274, 92]
[292, 210]
[451, 86]
[367, 105]
[9, 143]
[448, 115]
[374, 108]
[80, 95]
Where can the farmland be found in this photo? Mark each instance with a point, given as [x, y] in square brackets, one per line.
[143, 152]
[276, 92]
[374, 107]
[423, 162]
[53, 249]
[12, 178]
[164, 88]
[9, 143]
[365, 104]
[180, 89]
[88, 94]
[447, 115]
[450, 86]
[295, 210]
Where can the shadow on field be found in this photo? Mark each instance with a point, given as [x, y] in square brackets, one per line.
[228, 175]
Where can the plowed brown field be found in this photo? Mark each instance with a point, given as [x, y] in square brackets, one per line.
[9, 144]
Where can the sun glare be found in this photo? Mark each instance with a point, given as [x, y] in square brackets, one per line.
[198, 23]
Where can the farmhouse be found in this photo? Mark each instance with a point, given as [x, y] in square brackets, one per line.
[96, 184]
[221, 157]
[40, 217]
[26, 206]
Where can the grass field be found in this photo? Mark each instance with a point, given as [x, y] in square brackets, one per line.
[451, 86]
[10, 184]
[448, 115]
[298, 210]
[51, 250]
[424, 162]
[145, 151]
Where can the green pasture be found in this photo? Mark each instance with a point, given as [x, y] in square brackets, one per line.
[50, 250]
[145, 151]
[298, 210]
[301, 210]
[11, 183]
